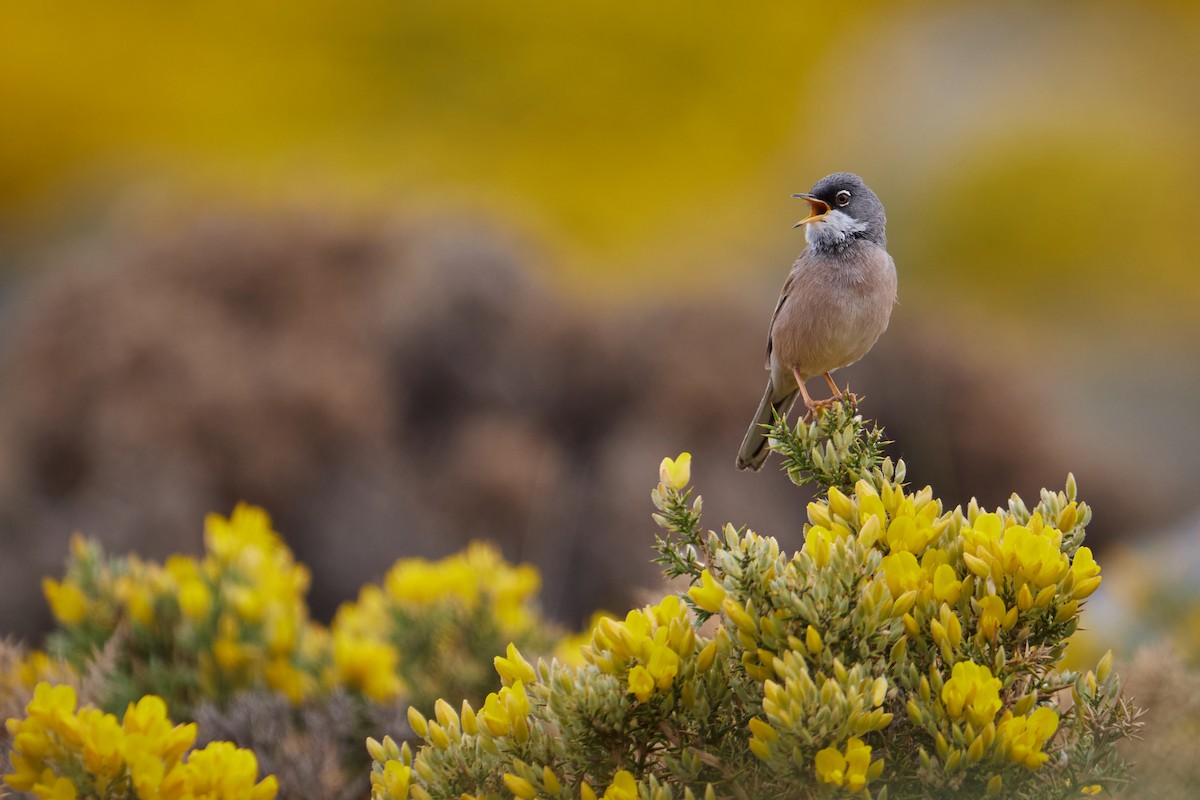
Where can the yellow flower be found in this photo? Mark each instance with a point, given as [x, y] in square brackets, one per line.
[195, 600]
[676, 473]
[53, 708]
[901, 572]
[663, 666]
[946, 586]
[145, 747]
[366, 665]
[1022, 738]
[1033, 557]
[221, 771]
[505, 713]
[1085, 574]
[907, 533]
[709, 594]
[1091, 789]
[818, 545]
[394, 780]
[641, 683]
[513, 666]
[851, 769]
[657, 637]
[972, 693]
[242, 538]
[993, 616]
[67, 601]
[148, 718]
[831, 766]
[623, 787]
[986, 529]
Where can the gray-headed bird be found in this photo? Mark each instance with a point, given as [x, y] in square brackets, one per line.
[835, 303]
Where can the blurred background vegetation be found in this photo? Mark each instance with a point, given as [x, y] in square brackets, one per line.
[413, 273]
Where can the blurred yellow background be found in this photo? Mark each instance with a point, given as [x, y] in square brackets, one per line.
[1023, 148]
[1039, 163]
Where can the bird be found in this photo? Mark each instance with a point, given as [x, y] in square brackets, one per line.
[835, 304]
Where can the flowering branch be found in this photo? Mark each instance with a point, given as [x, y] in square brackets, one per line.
[905, 651]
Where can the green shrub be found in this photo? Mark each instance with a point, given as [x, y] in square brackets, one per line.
[905, 651]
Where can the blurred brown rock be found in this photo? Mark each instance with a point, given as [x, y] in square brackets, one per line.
[390, 389]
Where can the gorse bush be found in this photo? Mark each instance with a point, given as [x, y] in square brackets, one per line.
[202, 630]
[448, 618]
[192, 629]
[226, 638]
[906, 650]
[61, 752]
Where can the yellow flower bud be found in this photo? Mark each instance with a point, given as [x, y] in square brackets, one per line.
[977, 565]
[1085, 587]
[739, 616]
[839, 504]
[67, 601]
[417, 721]
[519, 787]
[446, 715]
[870, 531]
[1104, 667]
[553, 786]
[1045, 597]
[975, 751]
[761, 749]
[905, 602]
[1068, 517]
[812, 641]
[1068, 610]
[438, 737]
[470, 723]
[761, 729]
[1024, 598]
[818, 514]
[707, 656]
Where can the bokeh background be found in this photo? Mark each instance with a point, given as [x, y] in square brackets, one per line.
[410, 274]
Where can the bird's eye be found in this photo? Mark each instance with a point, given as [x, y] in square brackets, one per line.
[842, 197]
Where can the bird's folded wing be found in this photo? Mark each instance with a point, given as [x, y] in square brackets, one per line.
[783, 296]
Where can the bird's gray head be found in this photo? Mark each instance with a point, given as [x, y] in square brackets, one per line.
[843, 211]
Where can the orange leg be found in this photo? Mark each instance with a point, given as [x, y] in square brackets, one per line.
[814, 406]
[837, 393]
[809, 403]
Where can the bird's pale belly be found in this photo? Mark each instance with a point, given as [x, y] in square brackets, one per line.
[821, 331]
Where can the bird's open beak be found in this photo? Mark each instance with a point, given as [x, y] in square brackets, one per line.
[819, 209]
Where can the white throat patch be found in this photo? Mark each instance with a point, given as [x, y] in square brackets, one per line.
[832, 230]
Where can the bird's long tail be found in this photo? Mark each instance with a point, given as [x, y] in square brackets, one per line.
[754, 447]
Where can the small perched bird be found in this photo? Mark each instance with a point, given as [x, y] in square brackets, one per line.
[835, 303]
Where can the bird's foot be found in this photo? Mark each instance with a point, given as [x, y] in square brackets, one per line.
[818, 407]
